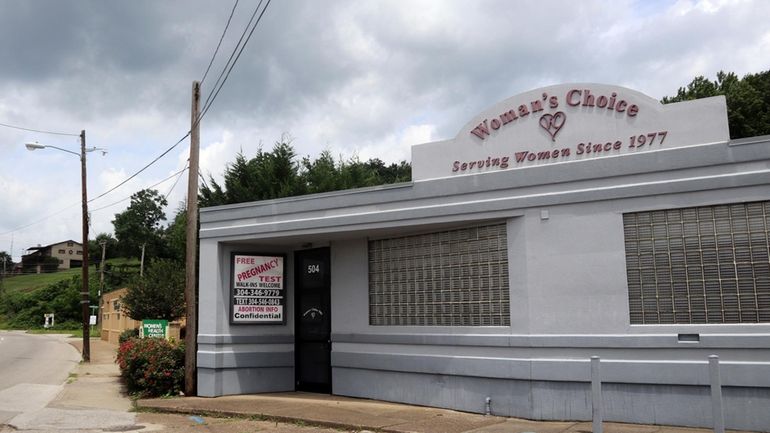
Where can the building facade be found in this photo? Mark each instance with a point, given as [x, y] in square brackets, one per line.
[570, 221]
[113, 319]
[69, 254]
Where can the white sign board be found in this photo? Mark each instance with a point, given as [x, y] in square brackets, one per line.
[257, 289]
[569, 123]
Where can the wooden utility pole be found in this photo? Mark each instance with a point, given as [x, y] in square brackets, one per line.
[190, 296]
[101, 267]
[85, 296]
[141, 262]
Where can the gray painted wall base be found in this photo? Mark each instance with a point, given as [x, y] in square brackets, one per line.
[214, 382]
[745, 408]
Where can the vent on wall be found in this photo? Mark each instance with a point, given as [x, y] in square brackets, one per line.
[688, 338]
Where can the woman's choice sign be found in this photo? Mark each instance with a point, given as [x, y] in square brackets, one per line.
[570, 123]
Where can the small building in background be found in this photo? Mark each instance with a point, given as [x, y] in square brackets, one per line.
[41, 258]
[114, 320]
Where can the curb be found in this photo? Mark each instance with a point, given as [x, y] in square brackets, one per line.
[261, 417]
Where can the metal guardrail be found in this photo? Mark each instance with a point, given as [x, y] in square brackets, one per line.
[715, 380]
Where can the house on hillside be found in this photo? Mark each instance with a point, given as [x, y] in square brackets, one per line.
[41, 258]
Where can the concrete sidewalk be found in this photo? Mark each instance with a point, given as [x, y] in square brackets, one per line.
[360, 415]
[96, 386]
[91, 400]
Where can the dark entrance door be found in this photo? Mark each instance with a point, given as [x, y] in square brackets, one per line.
[313, 320]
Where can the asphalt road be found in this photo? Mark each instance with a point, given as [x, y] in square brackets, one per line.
[37, 359]
[33, 369]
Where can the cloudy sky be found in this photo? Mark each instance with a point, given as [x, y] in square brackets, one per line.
[357, 77]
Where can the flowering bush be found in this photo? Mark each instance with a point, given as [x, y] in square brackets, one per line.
[127, 335]
[152, 367]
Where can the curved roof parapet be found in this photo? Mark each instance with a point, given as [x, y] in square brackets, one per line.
[569, 123]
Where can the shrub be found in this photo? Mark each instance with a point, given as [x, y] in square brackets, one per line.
[159, 294]
[127, 335]
[152, 367]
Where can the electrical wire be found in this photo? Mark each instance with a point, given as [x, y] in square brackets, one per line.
[227, 26]
[178, 173]
[41, 220]
[176, 181]
[142, 169]
[232, 54]
[47, 217]
[234, 58]
[212, 96]
[221, 80]
[205, 184]
[39, 130]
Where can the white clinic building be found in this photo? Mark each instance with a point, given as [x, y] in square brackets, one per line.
[570, 221]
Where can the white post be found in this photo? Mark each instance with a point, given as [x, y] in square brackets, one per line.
[596, 395]
[717, 410]
[141, 263]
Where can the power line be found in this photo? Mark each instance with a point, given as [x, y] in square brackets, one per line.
[47, 217]
[212, 96]
[227, 26]
[232, 54]
[142, 169]
[178, 173]
[176, 181]
[221, 80]
[234, 58]
[41, 220]
[200, 175]
[39, 130]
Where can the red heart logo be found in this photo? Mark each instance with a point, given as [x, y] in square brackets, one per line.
[552, 123]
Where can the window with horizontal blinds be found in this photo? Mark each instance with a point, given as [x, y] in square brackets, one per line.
[704, 264]
[448, 278]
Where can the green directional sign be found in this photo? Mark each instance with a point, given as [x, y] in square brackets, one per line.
[154, 328]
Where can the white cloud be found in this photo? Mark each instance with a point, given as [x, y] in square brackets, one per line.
[366, 78]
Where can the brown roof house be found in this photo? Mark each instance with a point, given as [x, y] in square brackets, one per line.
[43, 258]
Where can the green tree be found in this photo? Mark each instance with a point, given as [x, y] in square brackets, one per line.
[159, 294]
[268, 175]
[176, 236]
[25, 309]
[748, 100]
[393, 173]
[6, 262]
[140, 224]
[95, 247]
[277, 174]
[322, 174]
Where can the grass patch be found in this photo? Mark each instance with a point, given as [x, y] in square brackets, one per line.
[95, 332]
[30, 282]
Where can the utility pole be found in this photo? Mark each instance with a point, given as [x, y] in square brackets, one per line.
[101, 279]
[101, 267]
[84, 293]
[190, 297]
[141, 264]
